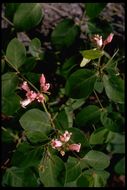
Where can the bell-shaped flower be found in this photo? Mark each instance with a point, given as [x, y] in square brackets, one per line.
[55, 143]
[65, 137]
[25, 86]
[75, 147]
[108, 39]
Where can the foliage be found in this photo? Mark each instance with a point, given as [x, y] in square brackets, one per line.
[65, 131]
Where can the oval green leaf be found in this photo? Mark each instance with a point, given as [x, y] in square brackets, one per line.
[65, 34]
[80, 84]
[53, 174]
[27, 16]
[96, 159]
[10, 101]
[19, 177]
[99, 136]
[91, 54]
[34, 122]
[88, 115]
[114, 87]
[93, 9]
[120, 167]
[73, 169]
[16, 53]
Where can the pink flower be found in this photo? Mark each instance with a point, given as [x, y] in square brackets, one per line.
[56, 143]
[31, 95]
[108, 39]
[42, 80]
[25, 102]
[97, 40]
[65, 137]
[75, 147]
[25, 86]
[45, 86]
[40, 97]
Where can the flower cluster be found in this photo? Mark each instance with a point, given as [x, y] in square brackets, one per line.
[62, 144]
[99, 41]
[31, 95]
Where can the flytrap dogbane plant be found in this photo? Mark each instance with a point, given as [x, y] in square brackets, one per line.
[62, 143]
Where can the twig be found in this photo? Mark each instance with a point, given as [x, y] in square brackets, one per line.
[8, 21]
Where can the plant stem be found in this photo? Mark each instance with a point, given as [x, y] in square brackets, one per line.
[98, 99]
[49, 115]
[11, 65]
[8, 21]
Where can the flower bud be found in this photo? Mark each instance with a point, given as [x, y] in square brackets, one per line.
[108, 39]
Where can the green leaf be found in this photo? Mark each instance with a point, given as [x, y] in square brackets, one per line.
[84, 62]
[71, 184]
[26, 156]
[35, 48]
[100, 178]
[19, 177]
[10, 101]
[27, 16]
[69, 66]
[10, 104]
[114, 87]
[98, 86]
[96, 159]
[120, 167]
[34, 122]
[99, 136]
[9, 83]
[53, 174]
[74, 104]
[91, 54]
[116, 148]
[93, 178]
[80, 84]
[61, 121]
[16, 53]
[108, 122]
[117, 138]
[88, 115]
[73, 169]
[93, 9]
[10, 9]
[85, 180]
[65, 34]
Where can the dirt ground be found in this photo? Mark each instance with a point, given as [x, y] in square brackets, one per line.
[54, 12]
